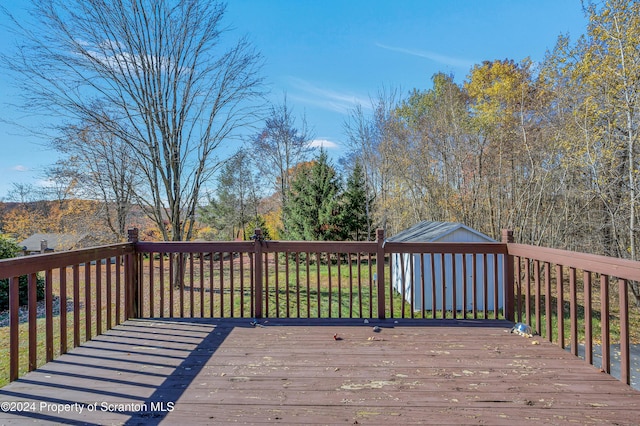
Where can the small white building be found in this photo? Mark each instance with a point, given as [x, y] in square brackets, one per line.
[410, 270]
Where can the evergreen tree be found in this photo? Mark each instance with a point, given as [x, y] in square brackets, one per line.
[235, 203]
[356, 207]
[312, 208]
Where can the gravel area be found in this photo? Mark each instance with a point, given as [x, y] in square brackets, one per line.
[24, 311]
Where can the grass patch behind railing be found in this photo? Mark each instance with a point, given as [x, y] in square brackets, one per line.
[596, 314]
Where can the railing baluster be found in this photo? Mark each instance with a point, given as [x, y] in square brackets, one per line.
[87, 302]
[423, 283]
[454, 285]
[192, 284]
[14, 323]
[359, 260]
[485, 288]
[259, 290]
[63, 310]
[623, 297]
[276, 257]
[330, 286]
[536, 281]
[48, 302]
[472, 287]
[76, 306]
[231, 289]
[297, 285]
[151, 278]
[161, 300]
[201, 284]
[109, 289]
[410, 280]
[241, 255]
[390, 287]
[464, 285]
[433, 285]
[518, 283]
[286, 287]
[547, 302]
[98, 297]
[560, 305]
[266, 284]
[211, 290]
[308, 285]
[230, 284]
[573, 311]
[403, 279]
[496, 287]
[339, 285]
[604, 323]
[33, 316]
[443, 285]
[221, 284]
[172, 284]
[119, 293]
[588, 332]
[380, 261]
[527, 290]
[181, 271]
[252, 292]
[318, 282]
[351, 287]
[138, 272]
[370, 260]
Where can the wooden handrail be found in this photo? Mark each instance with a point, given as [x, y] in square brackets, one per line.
[568, 283]
[622, 268]
[25, 265]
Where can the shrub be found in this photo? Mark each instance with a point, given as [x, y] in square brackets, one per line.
[8, 249]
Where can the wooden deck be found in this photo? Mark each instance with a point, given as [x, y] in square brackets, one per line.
[295, 372]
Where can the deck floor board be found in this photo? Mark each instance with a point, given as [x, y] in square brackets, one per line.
[179, 371]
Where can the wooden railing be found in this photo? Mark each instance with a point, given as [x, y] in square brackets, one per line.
[589, 290]
[323, 279]
[100, 287]
[93, 291]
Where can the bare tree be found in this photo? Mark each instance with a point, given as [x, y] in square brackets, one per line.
[22, 193]
[99, 167]
[157, 75]
[279, 146]
[370, 138]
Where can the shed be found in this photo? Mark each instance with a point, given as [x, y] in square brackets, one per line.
[45, 243]
[411, 270]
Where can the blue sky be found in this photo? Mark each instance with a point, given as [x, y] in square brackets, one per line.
[330, 55]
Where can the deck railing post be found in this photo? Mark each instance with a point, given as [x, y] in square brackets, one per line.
[132, 291]
[380, 272]
[507, 238]
[257, 274]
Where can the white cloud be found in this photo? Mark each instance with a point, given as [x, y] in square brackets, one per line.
[45, 183]
[333, 100]
[433, 56]
[322, 143]
[20, 168]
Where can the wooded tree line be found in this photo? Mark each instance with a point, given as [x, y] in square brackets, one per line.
[548, 150]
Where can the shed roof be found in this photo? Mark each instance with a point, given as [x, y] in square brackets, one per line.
[428, 231]
[56, 242]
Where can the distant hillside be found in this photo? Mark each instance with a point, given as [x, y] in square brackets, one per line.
[21, 220]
